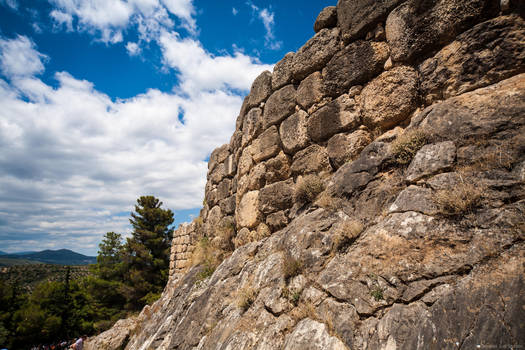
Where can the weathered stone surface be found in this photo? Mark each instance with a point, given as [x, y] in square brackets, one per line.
[230, 167]
[312, 335]
[282, 72]
[490, 52]
[342, 114]
[245, 161]
[346, 147]
[261, 89]
[224, 189]
[277, 168]
[355, 175]
[390, 98]
[267, 145]
[228, 205]
[280, 105]
[277, 220]
[311, 90]
[294, 134]
[218, 156]
[356, 17]
[355, 64]
[314, 55]
[247, 214]
[414, 27]
[277, 196]
[312, 159]
[213, 219]
[217, 174]
[414, 198]
[252, 125]
[478, 112]
[431, 159]
[114, 338]
[326, 19]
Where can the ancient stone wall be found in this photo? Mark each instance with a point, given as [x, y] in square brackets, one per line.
[369, 68]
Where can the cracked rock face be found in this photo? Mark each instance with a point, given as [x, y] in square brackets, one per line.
[378, 253]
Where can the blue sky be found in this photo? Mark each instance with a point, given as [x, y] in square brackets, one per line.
[102, 101]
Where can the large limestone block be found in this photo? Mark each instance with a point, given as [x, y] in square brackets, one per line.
[218, 156]
[277, 196]
[416, 27]
[354, 65]
[224, 189]
[431, 159]
[314, 55]
[252, 125]
[280, 105]
[414, 198]
[356, 17]
[390, 98]
[228, 205]
[312, 335]
[345, 147]
[477, 113]
[277, 168]
[327, 18]
[267, 145]
[294, 135]
[218, 173]
[282, 71]
[230, 166]
[311, 90]
[313, 159]
[490, 52]
[212, 221]
[342, 114]
[246, 160]
[247, 213]
[261, 89]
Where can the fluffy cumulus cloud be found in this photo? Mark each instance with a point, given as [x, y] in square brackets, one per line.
[109, 18]
[73, 161]
[18, 57]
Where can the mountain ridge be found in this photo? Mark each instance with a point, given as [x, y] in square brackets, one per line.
[58, 257]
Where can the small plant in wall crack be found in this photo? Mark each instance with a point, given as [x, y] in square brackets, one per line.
[291, 266]
[377, 293]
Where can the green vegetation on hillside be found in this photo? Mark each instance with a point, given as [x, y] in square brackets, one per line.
[46, 303]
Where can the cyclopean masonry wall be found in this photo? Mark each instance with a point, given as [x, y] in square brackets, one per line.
[409, 275]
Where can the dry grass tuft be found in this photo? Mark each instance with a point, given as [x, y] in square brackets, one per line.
[346, 234]
[461, 199]
[302, 311]
[307, 188]
[245, 298]
[291, 266]
[405, 147]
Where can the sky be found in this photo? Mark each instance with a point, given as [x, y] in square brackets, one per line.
[103, 101]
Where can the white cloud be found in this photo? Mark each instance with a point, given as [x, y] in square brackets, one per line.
[234, 11]
[18, 57]
[11, 3]
[133, 49]
[267, 18]
[200, 70]
[62, 19]
[109, 18]
[72, 159]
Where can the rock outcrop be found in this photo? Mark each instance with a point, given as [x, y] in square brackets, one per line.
[372, 195]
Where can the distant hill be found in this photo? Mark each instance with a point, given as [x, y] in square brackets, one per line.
[6, 262]
[2, 253]
[58, 257]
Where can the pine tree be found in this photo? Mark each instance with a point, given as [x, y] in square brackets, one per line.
[146, 253]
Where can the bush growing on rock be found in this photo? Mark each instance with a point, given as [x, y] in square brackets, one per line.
[246, 298]
[460, 199]
[405, 147]
[307, 189]
[291, 266]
